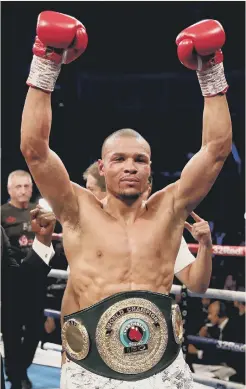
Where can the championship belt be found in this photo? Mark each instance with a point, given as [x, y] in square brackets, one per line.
[128, 336]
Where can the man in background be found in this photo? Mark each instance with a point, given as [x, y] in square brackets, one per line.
[15, 214]
[94, 182]
[240, 319]
[239, 325]
[23, 285]
[15, 219]
[222, 326]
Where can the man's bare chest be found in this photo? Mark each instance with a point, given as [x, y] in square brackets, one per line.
[101, 233]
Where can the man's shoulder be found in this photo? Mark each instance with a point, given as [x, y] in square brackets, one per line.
[78, 189]
[5, 211]
[72, 212]
[84, 194]
[5, 206]
[3, 235]
[163, 196]
[232, 321]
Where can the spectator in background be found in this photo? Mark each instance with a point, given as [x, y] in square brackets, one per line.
[15, 219]
[25, 281]
[240, 321]
[227, 329]
[239, 326]
[220, 327]
[15, 214]
[230, 282]
[94, 182]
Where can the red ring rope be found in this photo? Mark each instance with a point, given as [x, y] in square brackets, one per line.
[235, 251]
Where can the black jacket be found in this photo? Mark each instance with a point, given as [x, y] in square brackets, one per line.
[23, 286]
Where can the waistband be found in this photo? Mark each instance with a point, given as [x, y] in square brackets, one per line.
[128, 336]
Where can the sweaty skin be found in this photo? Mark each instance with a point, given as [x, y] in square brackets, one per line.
[107, 257]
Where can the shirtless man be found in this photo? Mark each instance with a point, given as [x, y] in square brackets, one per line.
[194, 272]
[125, 331]
[186, 265]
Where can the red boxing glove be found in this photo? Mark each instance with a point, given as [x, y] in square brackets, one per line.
[198, 42]
[199, 49]
[59, 31]
[60, 39]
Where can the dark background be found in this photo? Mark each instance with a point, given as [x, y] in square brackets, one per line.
[128, 77]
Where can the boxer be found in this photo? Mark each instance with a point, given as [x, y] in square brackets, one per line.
[125, 331]
[185, 265]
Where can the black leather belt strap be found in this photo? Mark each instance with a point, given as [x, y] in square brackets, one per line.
[90, 319]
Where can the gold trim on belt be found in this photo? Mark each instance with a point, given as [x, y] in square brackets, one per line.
[131, 335]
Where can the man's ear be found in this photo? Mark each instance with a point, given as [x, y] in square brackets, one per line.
[100, 167]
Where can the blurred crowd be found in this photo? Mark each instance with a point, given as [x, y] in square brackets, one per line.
[215, 319]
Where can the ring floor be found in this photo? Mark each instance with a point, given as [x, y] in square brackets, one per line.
[45, 371]
[46, 377]
[43, 377]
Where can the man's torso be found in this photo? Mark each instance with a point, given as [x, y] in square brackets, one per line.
[106, 256]
[16, 223]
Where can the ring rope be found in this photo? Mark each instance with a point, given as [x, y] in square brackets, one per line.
[52, 313]
[56, 273]
[236, 251]
[218, 384]
[52, 347]
[219, 344]
[220, 294]
[215, 383]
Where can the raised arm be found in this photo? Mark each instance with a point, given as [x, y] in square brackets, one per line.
[205, 38]
[55, 33]
[45, 166]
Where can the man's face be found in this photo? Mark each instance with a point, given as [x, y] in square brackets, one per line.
[213, 310]
[20, 189]
[126, 167]
[92, 186]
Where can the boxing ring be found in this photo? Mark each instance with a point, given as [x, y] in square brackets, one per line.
[213, 344]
